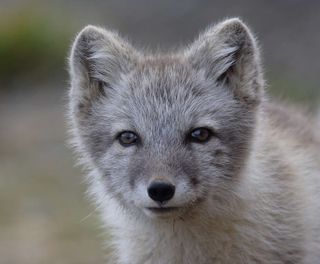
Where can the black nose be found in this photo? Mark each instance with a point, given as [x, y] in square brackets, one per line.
[161, 191]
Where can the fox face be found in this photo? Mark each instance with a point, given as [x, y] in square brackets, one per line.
[168, 133]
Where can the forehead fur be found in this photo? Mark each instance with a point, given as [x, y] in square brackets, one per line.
[166, 89]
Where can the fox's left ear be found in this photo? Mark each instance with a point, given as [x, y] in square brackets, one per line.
[228, 54]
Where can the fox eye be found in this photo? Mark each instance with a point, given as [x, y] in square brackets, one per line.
[127, 138]
[200, 135]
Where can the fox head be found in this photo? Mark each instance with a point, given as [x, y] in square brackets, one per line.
[166, 134]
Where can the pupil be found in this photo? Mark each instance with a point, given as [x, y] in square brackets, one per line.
[128, 137]
[200, 134]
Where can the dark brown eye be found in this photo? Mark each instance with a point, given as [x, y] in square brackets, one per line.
[127, 138]
[200, 135]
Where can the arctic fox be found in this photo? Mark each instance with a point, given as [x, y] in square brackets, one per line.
[188, 159]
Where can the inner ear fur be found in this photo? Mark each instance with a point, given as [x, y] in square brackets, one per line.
[98, 59]
[228, 54]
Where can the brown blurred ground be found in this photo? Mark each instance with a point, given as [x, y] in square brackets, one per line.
[43, 212]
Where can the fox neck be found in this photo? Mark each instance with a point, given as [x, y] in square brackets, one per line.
[190, 239]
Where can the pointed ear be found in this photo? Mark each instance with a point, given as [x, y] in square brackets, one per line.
[98, 59]
[228, 54]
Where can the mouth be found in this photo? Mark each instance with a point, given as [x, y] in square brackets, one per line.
[160, 211]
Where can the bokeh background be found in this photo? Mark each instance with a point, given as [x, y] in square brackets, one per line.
[44, 216]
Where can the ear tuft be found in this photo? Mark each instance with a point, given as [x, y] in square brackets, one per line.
[98, 59]
[228, 54]
[83, 48]
[233, 31]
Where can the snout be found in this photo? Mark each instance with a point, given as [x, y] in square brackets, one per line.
[161, 191]
[164, 199]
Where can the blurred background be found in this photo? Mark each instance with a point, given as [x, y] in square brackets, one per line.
[44, 216]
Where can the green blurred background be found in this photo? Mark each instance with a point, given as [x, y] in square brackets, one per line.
[44, 216]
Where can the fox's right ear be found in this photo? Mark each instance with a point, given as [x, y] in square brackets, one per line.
[98, 59]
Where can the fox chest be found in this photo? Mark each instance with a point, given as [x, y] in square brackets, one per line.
[201, 248]
[190, 249]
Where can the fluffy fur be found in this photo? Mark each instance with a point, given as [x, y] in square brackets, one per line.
[248, 195]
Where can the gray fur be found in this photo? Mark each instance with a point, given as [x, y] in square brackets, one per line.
[236, 204]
